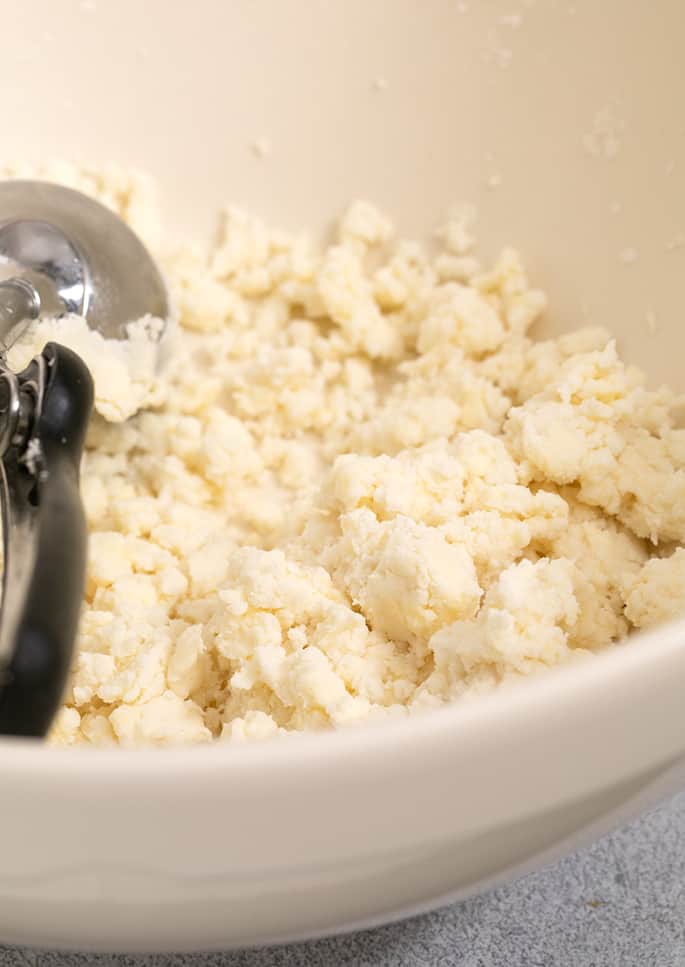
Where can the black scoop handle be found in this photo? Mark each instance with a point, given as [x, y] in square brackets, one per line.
[32, 683]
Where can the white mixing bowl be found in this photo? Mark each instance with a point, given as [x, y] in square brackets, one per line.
[562, 121]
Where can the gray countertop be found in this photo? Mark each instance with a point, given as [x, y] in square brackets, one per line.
[619, 902]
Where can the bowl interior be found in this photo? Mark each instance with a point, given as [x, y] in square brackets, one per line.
[560, 121]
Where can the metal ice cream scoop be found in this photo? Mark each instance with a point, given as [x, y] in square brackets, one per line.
[60, 252]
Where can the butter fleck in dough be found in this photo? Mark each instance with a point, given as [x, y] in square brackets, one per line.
[358, 489]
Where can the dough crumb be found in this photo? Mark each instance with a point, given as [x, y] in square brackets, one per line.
[261, 147]
[657, 593]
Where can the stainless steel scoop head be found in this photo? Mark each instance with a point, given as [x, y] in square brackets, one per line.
[61, 251]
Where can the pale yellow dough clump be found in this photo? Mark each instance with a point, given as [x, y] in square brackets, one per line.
[359, 489]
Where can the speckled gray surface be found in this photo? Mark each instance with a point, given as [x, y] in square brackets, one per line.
[619, 903]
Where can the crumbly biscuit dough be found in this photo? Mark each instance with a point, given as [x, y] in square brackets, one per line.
[357, 489]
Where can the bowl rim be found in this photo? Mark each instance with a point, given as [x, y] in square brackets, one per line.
[636, 663]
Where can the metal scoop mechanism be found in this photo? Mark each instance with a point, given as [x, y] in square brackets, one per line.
[60, 252]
